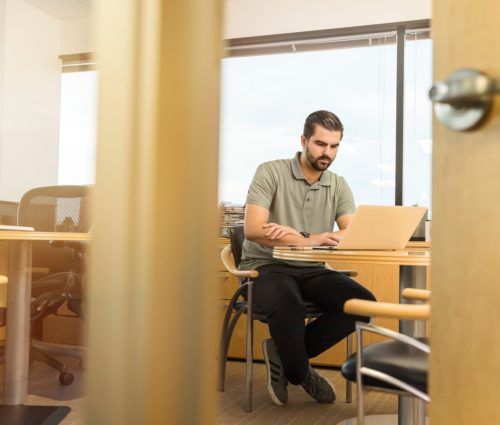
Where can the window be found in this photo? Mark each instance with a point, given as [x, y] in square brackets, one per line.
[268, 91]
[266, 99]
[78, 126]
[417, 122]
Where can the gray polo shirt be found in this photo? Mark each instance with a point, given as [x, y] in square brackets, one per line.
[280, 187]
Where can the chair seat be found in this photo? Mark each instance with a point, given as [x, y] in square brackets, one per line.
[394, 358]
[312, 310]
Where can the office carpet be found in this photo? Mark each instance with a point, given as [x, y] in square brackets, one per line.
[45, 390]
[300, 410]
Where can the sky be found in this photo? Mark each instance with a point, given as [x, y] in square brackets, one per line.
[265, 100]
[264, 103]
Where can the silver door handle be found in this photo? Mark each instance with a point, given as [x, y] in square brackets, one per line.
[464, 99]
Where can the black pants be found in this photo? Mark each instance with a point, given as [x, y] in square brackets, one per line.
[280, 291]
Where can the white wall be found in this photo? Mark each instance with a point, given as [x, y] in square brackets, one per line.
[76, 36]
[31, 41]
[29, 98]
[246, 18]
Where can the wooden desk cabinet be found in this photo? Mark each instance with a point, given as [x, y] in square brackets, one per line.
[381, 279]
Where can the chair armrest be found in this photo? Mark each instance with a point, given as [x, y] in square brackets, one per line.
[416, 294]
[389, 310]
[79, 246]
[350, 273]
[227, 260]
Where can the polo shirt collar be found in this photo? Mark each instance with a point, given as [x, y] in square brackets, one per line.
[299, 175]
[296, 168]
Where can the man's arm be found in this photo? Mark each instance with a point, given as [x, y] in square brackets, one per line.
[343, 222]
[259, 230]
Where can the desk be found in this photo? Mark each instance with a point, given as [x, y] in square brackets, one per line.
[412, 264]
[18, 307]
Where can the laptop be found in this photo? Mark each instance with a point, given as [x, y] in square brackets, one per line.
[376, 227]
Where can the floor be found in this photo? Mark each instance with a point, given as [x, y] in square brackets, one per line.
[301, 409]
[45, 389]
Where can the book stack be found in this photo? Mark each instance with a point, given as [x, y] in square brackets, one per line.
[230, 215]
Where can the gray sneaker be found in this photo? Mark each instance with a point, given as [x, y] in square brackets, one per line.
[276, 381]
[319, 388]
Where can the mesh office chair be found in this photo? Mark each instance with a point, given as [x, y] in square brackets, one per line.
[398, 365]
[58, 267]
[241, 303]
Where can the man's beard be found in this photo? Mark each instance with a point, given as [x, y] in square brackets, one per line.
[314, 162]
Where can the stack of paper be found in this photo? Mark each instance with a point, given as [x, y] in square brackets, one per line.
[230, 215]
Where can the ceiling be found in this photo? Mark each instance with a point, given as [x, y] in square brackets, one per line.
[63, 9]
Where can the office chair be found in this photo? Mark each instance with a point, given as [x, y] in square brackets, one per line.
[241, 303]
[398, 365]
[58, 267]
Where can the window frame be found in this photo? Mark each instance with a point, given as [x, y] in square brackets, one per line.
[339, 38]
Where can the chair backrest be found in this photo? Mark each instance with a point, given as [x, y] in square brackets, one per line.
[237, 236]
[55, 209]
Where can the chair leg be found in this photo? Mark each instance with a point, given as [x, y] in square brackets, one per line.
[418, 412]
[223, 342]
[39, 355]
[226, 334]
[359, 376]
[348, 384]
[222, 358]
[360, 409]
[249, 366]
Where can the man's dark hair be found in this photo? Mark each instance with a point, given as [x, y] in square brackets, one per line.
[325, 119]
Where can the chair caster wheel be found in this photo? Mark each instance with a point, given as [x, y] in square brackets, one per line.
[66, 378]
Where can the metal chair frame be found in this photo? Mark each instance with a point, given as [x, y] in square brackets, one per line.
[228, 325]
[420, 398]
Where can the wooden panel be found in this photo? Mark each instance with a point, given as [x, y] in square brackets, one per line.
[365, 271]
[20, 235]
[382, 280]
[336, 355]
[386, 289]
[227, 286]
[4, 270]
[365, 278]
[237, 349]
[64, 330]
[464, 374]
[416, 257]
[152, 283]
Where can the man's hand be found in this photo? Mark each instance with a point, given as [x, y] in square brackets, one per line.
[276, 231]
[327, 238]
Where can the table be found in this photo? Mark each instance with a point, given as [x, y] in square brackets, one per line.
[18, 307]
[412, 263]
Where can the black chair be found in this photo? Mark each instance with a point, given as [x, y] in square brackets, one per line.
[241, 303]
[398, 365]
[58, 267]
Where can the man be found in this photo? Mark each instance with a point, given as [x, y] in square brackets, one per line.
[297, 201]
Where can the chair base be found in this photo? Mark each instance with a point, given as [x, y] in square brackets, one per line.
[33, 415]
[375, 420]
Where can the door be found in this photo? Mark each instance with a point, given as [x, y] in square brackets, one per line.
[465, 358]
